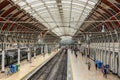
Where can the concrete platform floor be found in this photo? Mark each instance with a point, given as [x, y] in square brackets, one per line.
[80, 69]
[26, 67]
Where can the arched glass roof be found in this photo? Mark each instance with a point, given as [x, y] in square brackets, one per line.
[66, 15]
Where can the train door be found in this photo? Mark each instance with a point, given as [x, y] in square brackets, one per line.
[101, 55]
[0, 60]
[10, 60]
[110, 60]
[104, 58]
[107, 57]
[41, 49]
[116, 62]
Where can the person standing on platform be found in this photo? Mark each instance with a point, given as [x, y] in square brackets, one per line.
[82, 54]
[66, 50]
[96, 66]
[105, 72]
[75, 51]
[71, 49]
[89, 65]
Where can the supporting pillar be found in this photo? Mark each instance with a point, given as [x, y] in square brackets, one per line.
[3, 61]
[46, 48]
[29, 55]
[34, 52]
[19, 56]
[119, 64]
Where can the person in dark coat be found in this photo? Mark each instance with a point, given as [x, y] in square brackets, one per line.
[105, 72]
[89, 65]
[96, 66]
[75, 51]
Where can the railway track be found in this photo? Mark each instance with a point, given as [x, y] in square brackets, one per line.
[55, 69]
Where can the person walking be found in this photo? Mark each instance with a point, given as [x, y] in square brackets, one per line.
[75, 52]
[89, 65]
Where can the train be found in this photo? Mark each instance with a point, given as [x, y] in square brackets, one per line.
[11, 56]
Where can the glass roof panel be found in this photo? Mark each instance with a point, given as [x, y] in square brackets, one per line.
[66, 15]
[30, 1]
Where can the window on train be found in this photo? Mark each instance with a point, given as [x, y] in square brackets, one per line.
[113, 12]
[117, 4]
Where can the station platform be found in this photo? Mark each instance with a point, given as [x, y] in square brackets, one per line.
[26, 67]
[79, 69]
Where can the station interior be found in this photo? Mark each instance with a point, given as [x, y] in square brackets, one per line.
[59, 40]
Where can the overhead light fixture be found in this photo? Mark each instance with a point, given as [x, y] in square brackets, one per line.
[59, 4]
[115, 31]
[60, 7]
[103, 28]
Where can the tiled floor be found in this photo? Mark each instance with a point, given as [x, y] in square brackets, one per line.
[26, 67]
[80, 69]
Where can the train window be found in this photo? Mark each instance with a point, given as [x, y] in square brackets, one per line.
[117, 4]
[113, 12]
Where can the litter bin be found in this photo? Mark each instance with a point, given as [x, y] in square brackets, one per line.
[14, 68]
[17, 67]
[11, 68]
[99, 63]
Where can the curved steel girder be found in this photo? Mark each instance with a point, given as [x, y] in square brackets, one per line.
[113, 18]
[104, 17]
[6, 23]
[65, 35]
[8, 11]
[112, 7]
[62, 26]
[3, 4]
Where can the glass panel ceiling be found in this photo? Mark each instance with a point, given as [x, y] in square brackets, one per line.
[63, 17]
